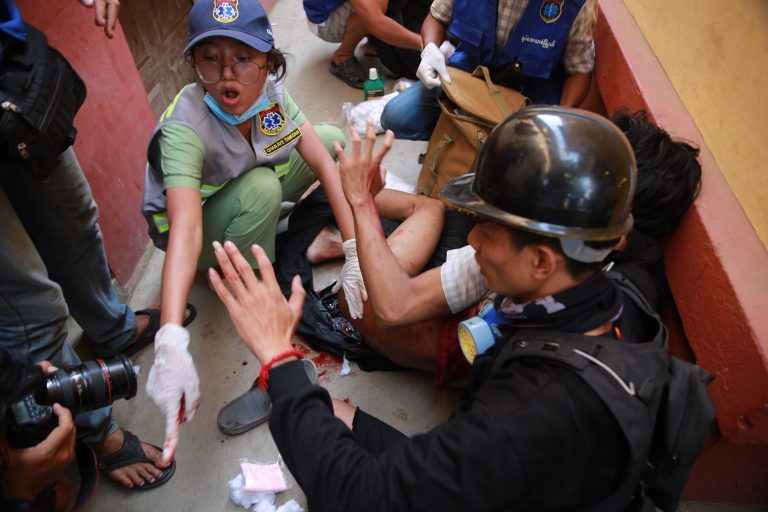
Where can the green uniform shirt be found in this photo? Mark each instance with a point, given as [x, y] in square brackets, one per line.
[180, 152]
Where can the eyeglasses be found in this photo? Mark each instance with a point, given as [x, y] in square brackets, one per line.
[246, 72]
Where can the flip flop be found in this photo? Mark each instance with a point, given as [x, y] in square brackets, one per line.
[350, 73]
[147, 336]
[131, 453]
[252, 408]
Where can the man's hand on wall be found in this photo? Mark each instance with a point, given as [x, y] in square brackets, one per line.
[106, 14]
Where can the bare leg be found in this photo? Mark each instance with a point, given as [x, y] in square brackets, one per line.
[353, 34]
[325, 247]
[412, 243]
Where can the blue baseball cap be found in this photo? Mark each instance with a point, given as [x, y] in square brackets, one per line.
[244, 20]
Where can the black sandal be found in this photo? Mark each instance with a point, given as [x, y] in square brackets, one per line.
[132, 453]
[350, 72]
[252, 408]
[147, 336]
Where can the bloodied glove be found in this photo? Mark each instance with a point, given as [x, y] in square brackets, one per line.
[173, 383]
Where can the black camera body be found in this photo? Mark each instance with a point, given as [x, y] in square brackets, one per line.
[85, 387]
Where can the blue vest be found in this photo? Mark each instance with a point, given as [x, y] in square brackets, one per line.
[319, 10]
[534, 46]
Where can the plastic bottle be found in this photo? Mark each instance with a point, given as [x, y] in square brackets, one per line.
[374, 86]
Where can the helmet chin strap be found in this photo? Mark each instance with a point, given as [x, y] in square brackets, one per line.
[579, 251]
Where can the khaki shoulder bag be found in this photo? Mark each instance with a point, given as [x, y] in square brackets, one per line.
[472, 105]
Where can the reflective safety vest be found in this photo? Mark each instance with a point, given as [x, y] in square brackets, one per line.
[227, 155]
[532, 52]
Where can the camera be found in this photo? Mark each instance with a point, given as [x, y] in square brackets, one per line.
[85, 387]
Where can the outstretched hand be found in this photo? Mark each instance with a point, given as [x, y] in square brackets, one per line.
[264, 319]
[106, 14]
[361, 172]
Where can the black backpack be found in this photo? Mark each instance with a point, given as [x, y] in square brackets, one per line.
[40, 94]
[660, 401]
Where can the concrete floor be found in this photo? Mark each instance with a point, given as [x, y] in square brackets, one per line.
[207, 459]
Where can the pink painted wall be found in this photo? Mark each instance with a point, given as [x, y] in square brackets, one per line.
[716, 265]
[113, 125]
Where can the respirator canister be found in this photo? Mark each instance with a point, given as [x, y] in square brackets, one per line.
[479, 333]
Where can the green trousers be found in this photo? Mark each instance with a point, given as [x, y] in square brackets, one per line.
[246, 210]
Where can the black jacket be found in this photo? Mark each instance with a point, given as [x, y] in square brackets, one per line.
[527, 435]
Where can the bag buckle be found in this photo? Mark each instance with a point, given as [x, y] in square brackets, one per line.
[10, 106]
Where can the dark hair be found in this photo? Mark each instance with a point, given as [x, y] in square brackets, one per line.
[668, 174]
[575, 268]
[277, 63]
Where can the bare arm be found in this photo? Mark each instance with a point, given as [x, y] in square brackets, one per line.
[575, 89]
[185, 218]
[313, 151]
[432, 31]
[397, 299]
[377, 23]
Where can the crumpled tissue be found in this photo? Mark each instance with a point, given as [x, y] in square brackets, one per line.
[267, 477]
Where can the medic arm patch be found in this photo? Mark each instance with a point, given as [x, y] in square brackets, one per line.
[271, 120]
[281, 143]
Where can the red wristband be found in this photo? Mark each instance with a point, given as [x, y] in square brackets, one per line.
[264, 373]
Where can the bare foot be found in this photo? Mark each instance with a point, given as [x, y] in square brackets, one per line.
[326, 246]
[130, 475]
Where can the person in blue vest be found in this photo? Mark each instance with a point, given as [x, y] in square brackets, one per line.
[227, 152]
[391, 26]
[543, 48]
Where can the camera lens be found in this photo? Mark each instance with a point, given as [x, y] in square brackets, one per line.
[90, 385]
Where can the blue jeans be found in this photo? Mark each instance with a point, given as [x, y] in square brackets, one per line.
[52, 261]
[413, 113]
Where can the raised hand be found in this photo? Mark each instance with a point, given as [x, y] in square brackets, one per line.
[264, 319]
[362, 176]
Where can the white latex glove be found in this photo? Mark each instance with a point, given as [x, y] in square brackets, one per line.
[432, 64]
[447, 49]
[351, 278]
[172, 381]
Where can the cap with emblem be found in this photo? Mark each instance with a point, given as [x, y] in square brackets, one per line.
[243, 20]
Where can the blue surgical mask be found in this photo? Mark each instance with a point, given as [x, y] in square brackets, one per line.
[260, 104]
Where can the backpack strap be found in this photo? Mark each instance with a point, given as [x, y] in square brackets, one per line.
[628, 378]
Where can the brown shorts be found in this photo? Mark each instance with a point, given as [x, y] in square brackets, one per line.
[332, 30]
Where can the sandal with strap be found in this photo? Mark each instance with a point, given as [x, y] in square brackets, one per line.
[147, 336]
[350, 73]
[252, 408]
[132, 453]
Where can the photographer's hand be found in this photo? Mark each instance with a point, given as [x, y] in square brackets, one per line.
[30, 471]
[173, 384]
